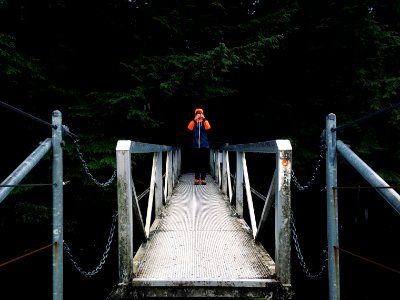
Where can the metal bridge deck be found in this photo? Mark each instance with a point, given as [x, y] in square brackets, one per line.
[198, 247]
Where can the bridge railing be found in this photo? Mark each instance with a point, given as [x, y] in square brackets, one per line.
[128, 201]
[279, 193]
[14, 179]
[335, 146]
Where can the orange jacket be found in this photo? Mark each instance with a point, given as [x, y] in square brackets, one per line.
[199, 127]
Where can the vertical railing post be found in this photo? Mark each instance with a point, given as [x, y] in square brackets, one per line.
[212, 162]
[239, 183]
[170, 174]
[125, 213]
[158, 188]
[228, 171]
[332, 209]
[177, 163]
[58, 243]
[224, 179]
[283, 212]
[218, 169]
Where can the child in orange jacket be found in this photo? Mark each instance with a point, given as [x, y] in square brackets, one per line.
[200, 145]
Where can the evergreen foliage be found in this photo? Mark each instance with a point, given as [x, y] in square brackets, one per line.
[133, 69]
[120, 69]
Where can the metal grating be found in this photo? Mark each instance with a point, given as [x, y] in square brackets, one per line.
[199, 242]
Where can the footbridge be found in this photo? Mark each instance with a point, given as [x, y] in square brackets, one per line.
[198, 244]
[203, 240]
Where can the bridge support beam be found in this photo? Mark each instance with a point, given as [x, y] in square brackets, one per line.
[58, 244]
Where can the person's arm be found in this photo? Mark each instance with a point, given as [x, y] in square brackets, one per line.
[191, 125]
[207, 124]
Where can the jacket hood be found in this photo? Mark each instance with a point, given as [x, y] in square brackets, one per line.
[198, 110]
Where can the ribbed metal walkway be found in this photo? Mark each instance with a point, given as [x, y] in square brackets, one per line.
[199, 248]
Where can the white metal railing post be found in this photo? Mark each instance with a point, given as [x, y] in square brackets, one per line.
[218, 168]
[212, 162]
[332, 209]
[239, 183]
[173, 155]
[250, 205]
[156, 159]
[283, 168]
[158, 189]
[228, 171]
[125, 214]
[224, 178]
[58, 243]
[170, 173]
[215, 165]
[178, 164]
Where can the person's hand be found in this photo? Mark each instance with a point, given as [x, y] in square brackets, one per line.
[198, 116]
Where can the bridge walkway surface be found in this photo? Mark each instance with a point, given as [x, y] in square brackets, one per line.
[198, 247]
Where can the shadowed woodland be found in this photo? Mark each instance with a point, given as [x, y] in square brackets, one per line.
[261, 70]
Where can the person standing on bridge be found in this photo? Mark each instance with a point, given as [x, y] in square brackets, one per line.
[200, 145]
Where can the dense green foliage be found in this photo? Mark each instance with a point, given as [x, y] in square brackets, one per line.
[262, 70]
[133, 69]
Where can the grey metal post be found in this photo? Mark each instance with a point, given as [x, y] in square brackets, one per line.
[177, 164]
[332, 209]
[125, 211]
[212, 162]
[58, 243]
[239, 183]
[158, 188]
[282, 211]
[224, 186]
[171, 171]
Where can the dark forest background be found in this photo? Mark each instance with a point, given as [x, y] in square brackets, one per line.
[261, 70]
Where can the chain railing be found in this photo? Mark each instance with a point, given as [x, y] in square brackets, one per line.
[88, 173]
[67, 249]
[105, 254]
[310, 183]
[300, 256]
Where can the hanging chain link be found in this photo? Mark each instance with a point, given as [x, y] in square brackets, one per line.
[300, 256]
[107, 183]
[322, 150]
[105, 254]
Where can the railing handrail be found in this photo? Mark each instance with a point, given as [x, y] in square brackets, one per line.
[54, 143]
[24, 168]
[279, 192]
[128, 202]
[335, 146]
[383, 188]
[139, 147]
[260, 147]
